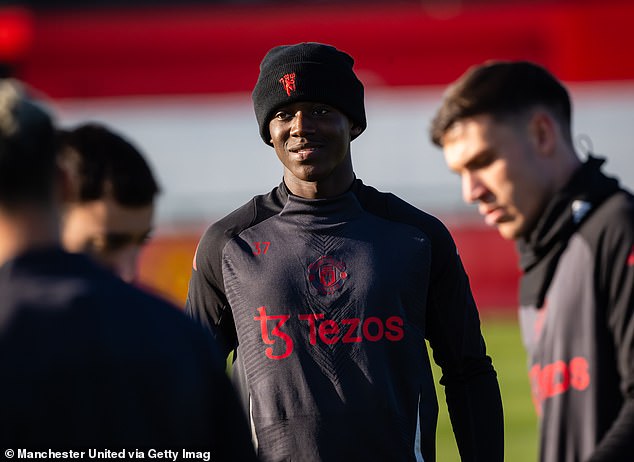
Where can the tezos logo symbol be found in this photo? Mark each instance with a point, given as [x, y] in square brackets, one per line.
[288, 82]
[327, 274]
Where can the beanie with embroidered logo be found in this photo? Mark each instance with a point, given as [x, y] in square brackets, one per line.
[311, 72]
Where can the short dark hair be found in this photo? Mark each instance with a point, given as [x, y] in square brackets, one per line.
[502, 89]
[27, 148]
[102, 162]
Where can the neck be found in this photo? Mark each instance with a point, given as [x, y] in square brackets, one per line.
[564, 170]
[335, 184]
[316, 189]
[26, 229]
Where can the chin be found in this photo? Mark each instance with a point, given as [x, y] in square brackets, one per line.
[509, 231]
[311, 175]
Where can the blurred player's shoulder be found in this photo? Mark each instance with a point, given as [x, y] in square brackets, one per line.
[59, 283]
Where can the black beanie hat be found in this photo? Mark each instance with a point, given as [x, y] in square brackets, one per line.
[307, 72]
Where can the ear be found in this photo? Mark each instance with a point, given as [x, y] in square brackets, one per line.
[67, 190]
[544, 132]
[355, 131]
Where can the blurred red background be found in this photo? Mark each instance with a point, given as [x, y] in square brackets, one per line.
[197, 49]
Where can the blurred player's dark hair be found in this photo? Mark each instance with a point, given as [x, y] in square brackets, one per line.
[101, 162]
[27, 148]
[502, 89]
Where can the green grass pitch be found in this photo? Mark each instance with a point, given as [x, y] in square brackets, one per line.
[504, 345]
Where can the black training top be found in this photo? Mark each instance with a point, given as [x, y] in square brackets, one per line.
[90, 362]
[329, 303]
[577, 316]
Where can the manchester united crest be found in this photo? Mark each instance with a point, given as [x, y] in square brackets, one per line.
[288, 82]
[327, 274]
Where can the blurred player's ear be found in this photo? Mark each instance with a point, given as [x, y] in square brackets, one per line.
[67, 159]
[66, 189]
[543, 129]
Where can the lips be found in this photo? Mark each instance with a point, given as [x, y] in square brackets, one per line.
[493, 216]
[305, 151]
[304, 147]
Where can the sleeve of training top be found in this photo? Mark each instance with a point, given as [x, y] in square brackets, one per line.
[206, 300]
[453, 329]
[617, 273]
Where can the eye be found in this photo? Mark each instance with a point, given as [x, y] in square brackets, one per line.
[282, 115]
[144, 238]
[321, 110]
[483, 160]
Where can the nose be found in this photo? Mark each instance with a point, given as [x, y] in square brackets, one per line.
[125, 263]
[472, 188]
[302, 124]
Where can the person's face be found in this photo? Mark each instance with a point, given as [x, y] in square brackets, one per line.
[111, 233]
[502, 169]
[312, 140]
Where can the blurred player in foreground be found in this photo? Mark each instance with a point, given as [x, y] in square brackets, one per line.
[88, 361]
[110, 208]
[328, 288]
[505, 128]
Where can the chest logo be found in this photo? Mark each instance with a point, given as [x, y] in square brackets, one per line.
[327, 274]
